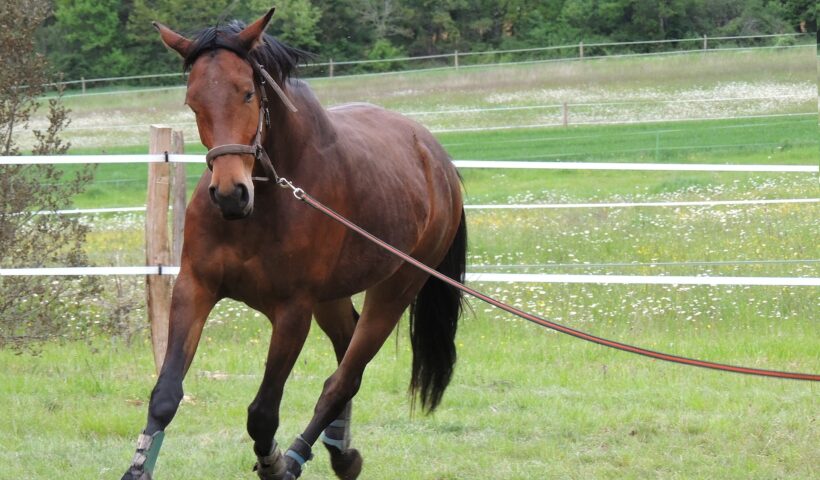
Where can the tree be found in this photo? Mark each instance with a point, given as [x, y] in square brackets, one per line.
[539, 23]
[143, 46]
[295, 21]
[31, 307]
[435, 25]
[89, 40]
[110, 37]
[757, 17]
[801, 14]
[340, 33]
[384, 17]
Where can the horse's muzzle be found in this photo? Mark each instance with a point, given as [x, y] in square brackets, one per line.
[235, 205]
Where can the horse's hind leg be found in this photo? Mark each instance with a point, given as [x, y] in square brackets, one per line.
[383, 306]
[291, 323]
[338, 320]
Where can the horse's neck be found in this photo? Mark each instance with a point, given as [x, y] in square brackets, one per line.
[292, 133]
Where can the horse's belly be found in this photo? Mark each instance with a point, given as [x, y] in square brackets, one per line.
[360, 266]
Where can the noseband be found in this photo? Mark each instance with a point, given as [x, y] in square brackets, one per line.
[256, 149]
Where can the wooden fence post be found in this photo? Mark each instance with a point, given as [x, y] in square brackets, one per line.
[331, 68]
[178, 198]
[581, 49]
[455, 59]
[157, 247]
[705, 44]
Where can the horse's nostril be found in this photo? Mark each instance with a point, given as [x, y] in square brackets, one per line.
[242, 194]
[234, 204]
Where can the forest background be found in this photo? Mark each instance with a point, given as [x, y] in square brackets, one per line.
[104, 38]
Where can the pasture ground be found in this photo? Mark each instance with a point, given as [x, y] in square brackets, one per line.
[524, 402]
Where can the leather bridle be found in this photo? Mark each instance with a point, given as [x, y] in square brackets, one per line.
[256, 149]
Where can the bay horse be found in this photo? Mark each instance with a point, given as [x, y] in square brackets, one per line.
[249, 240]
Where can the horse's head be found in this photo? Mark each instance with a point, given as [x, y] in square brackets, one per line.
[227, 102]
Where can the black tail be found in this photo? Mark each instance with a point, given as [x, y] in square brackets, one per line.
[433, 323]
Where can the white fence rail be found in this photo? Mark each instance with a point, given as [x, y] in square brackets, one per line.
[87, 159]
[657, 167]
[696, 203]
[473, 276]
[504, 164]
[643, 279]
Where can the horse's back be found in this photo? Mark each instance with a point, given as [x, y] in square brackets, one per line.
[370, 133]
[383, 147]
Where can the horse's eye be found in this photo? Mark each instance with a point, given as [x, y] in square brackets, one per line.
[248, 97]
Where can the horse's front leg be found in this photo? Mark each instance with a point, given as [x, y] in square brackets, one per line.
[191, 303]
[291, 323]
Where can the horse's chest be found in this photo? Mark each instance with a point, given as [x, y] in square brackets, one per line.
[260, 278]
[319, 260]
[275, 276]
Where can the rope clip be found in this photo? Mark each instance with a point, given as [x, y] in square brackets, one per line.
[297, 192]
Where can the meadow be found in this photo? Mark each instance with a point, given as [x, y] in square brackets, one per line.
[524, 402]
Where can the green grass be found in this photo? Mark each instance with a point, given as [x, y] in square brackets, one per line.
[740, 141]
[524, 403]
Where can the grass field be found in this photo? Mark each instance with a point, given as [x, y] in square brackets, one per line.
[524, 402]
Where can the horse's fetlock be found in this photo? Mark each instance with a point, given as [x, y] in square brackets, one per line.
[263, 422]
[272, 465]
[145, 457]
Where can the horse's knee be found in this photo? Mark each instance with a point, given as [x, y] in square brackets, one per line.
[165, 399]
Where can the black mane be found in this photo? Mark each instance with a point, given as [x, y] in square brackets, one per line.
[279, 59]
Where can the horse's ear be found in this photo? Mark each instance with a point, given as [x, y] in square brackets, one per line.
[251, 36]
[173, 40]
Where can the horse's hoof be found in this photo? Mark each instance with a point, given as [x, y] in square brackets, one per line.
[271, 476]
[347, 464]
[270, 472]
[267, 474]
